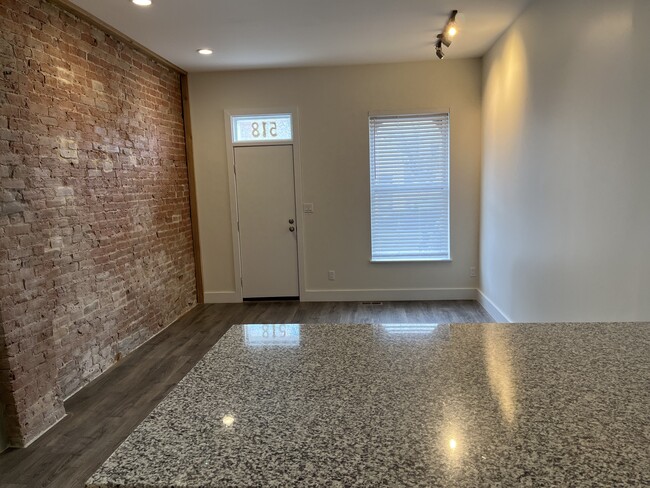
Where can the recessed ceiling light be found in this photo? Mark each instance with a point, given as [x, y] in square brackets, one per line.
[142, 3]
[204, 51]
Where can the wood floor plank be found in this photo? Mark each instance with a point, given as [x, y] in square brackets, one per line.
[103, 413]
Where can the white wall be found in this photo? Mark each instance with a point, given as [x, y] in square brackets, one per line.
[333, 105]
[565, 217]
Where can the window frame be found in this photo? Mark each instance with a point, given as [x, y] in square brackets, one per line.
[261, 142]
[406, 113]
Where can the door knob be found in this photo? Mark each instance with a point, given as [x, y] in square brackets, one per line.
[292, 228]
[291, 221]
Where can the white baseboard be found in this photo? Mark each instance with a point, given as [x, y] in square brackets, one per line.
[405, 294]
[491, 308]
[221, 297]
[360, 295]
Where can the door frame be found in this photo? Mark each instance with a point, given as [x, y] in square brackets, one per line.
[232, 186]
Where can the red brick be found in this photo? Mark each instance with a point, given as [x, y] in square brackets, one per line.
[85, 191]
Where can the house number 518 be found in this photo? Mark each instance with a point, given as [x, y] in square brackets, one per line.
[261, 132]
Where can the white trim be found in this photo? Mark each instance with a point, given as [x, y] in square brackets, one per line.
[401, 294]
[232, 188]
[491, 308]
[284, 142]
[411, 260]
[297, 181]
[262, 142]
[232, 185]
[221, 297]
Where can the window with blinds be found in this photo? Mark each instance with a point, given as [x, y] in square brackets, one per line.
[409, 187]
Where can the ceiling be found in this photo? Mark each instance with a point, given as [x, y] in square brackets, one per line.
[280, 33]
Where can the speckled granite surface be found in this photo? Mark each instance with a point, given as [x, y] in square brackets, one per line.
[398, 405]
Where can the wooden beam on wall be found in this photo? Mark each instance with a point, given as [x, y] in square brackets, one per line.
[88, 17]
[189, 152]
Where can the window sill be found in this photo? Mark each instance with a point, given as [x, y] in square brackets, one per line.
[412, 260]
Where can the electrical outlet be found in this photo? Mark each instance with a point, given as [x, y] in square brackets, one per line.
[472, 271]
[308, 207]
[331, 275]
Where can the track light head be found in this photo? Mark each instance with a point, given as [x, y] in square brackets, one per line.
[444, 40]
[439, 52]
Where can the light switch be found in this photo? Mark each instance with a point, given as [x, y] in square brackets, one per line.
[308, 207]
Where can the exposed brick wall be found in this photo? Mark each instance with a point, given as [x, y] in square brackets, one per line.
[95, 232]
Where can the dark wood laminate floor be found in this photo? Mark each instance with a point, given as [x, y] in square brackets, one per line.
[102, 414]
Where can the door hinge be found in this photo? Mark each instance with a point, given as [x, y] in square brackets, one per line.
[238, 226]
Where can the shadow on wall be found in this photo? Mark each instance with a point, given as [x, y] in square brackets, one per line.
[506, 99]
[564, 222]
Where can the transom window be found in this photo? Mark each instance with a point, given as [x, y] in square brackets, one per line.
[261, 128]
[409, 187]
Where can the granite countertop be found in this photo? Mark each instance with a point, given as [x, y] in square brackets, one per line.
[460, 405]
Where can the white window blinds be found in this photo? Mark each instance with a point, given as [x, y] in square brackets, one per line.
[409, 187]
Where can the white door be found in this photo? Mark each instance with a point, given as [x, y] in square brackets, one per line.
[267, 221]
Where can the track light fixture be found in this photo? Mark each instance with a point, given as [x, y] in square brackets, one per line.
[447, 35]
[451, 29]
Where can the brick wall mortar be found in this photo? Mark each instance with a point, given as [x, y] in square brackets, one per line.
[95, 233]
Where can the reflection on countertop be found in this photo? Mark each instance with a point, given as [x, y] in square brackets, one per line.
[402, 405]
[286, 335]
